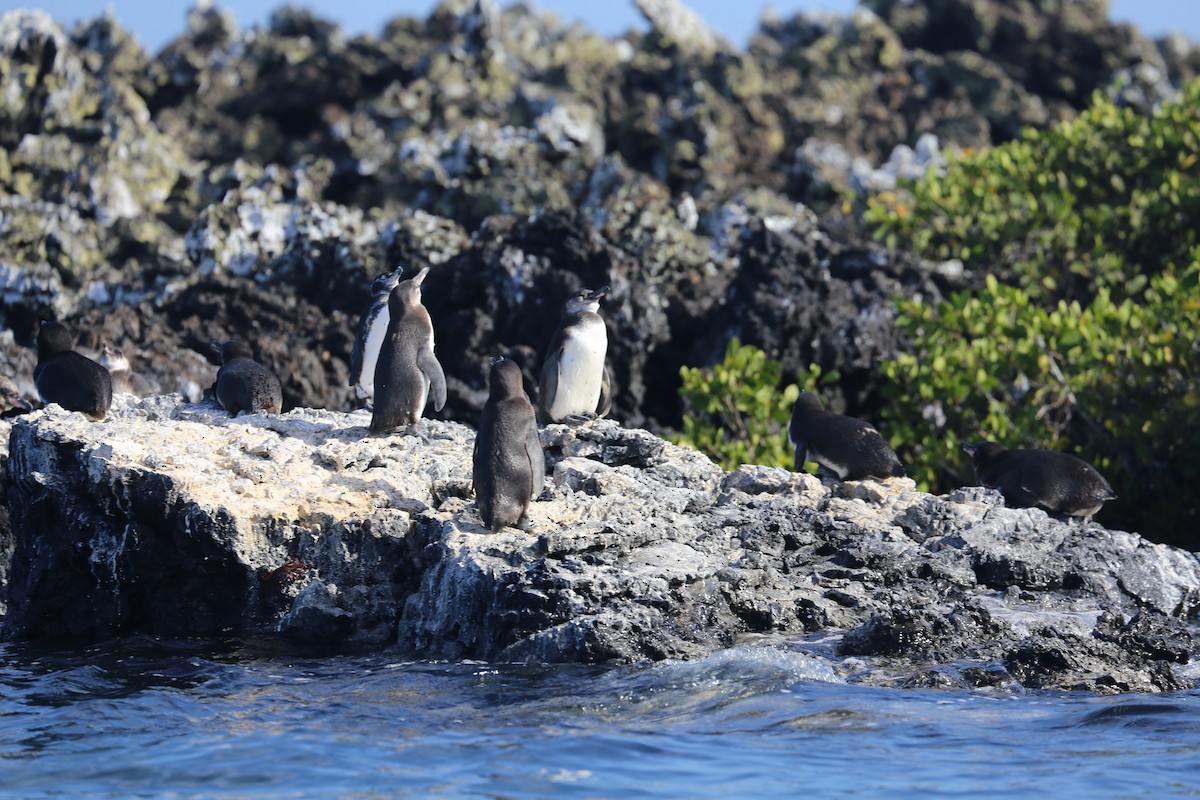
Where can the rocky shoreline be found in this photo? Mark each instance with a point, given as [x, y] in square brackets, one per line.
[174, 519]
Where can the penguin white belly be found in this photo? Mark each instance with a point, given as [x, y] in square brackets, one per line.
[580, 374]
[365, 388]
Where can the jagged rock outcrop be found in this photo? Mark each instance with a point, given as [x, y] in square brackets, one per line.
[251, 184]
[175, 519]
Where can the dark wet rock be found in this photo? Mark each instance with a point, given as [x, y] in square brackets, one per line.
[176, 519]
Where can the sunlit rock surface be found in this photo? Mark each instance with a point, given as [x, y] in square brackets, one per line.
[174, 519]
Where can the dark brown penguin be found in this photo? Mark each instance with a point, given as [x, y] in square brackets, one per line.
[1057, 482]
[243, 384]
[508, 465]
[407, 374]
[847, 447]
[67, 378]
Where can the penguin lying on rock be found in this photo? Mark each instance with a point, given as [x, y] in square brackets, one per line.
[242, 383]
[70, 379]
[847, 447]
[1057, 482]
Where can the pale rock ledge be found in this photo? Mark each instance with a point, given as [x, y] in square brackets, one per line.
[174, 519]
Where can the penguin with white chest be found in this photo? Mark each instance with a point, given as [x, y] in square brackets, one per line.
[508, 464]
[575, 384]
[407, 375]
[372, 328]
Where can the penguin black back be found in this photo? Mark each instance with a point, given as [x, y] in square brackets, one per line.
[508, 464]
[68, 378]
[407, 374]
[243, 384]
[1057, 482]
[848, 447]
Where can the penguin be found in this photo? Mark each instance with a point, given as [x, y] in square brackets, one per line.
[1057, 482]
[124, 379]
[508, 465]
[11, 401]
[575, 384]
[242, 383]
[848, 447]
[372, 327]
[72, 380]
[407, 373]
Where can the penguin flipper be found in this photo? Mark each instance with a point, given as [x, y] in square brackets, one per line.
[801, 454]
[605, 403]
[356, 355]
[431, 368]
[548, 386]
[537, 460]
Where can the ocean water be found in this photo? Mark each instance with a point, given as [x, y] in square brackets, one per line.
[153, 718]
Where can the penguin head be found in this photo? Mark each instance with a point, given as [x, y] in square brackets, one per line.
[407, 294]
[112, 359]
[384, 284]
[982, 452]
[806, 403]
[234, 348]
[584, 300]
[53, 337]
[505, 378]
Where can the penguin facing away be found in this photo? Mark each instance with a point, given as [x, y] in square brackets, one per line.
[508, 464]
[407, 374]
[848, 447]
[242, 383]
[575, 384]
[1057, 482]
[124, 379]
[68, 378]
[372, 327]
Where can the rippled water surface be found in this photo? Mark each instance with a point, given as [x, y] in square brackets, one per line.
[241, 719]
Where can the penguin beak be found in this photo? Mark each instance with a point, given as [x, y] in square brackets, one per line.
[496, 360]
[419, 278]
[969, 448]
[599, 293]
[215, 346]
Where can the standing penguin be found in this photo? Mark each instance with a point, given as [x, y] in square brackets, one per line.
[372, 327]
[1057, 482]
[407, 372]
[575, 382]
[243, 384]
[67, 378]
[848, 447]
[124, 379]
[509, 467]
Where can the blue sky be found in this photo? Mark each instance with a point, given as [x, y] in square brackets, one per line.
[155, 22]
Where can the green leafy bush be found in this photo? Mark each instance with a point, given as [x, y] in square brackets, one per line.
[1114, 382]
[737, 413]
[1101, 201]
[1083, 337]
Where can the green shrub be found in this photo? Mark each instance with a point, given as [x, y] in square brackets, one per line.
[1114, 382]
[1100, 201]
[737, 413]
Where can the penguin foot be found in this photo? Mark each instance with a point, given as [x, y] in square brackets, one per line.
[524, 524]
[577, 419]
[414, 430]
